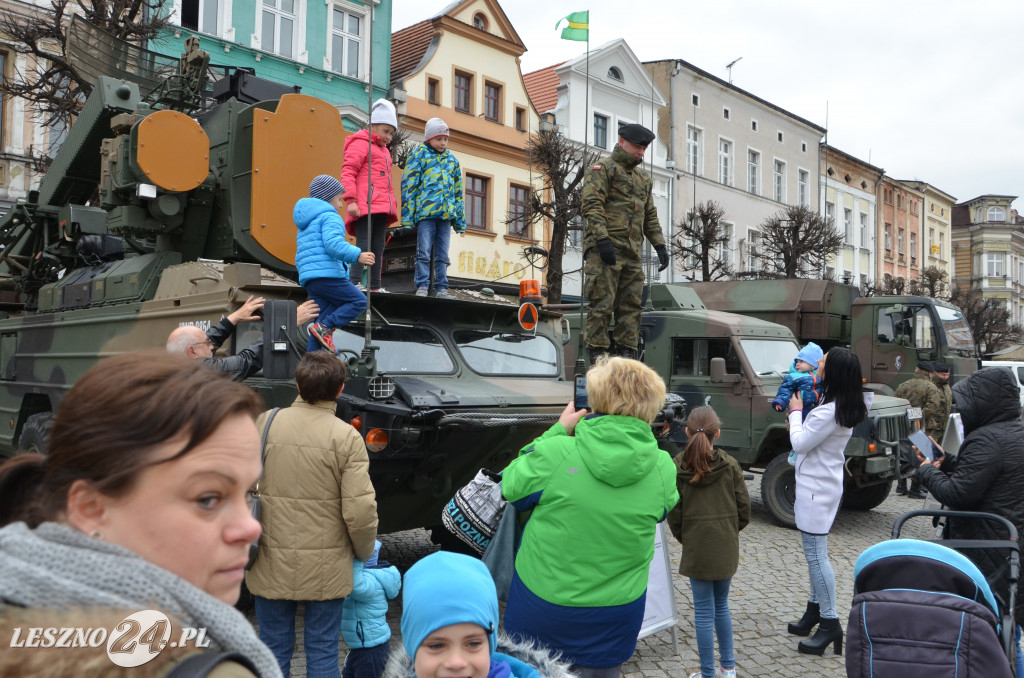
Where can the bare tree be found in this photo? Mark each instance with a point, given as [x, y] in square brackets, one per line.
[702, 239]
[53, 83]
[400, 146]
[931, 282]
[796, 242]
[562, 164]
[989, 320]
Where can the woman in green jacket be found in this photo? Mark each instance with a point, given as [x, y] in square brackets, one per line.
[713, 507]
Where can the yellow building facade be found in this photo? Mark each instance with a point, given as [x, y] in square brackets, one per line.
[937, 227]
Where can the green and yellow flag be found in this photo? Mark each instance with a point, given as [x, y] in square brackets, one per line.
[578, 28]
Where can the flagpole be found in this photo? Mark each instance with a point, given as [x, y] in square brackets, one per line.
[580, 369]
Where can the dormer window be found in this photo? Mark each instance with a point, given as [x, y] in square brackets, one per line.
[996, 214]
[480, 21]
[614, 73]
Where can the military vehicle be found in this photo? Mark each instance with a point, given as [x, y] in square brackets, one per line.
[164, 208]
[735, 364]
[889, 334]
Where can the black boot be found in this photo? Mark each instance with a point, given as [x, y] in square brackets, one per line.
[812, 615]
[627, 353]
[829, 631]
[595, 353]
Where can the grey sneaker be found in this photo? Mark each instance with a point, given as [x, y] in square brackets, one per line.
[421, 291]
[360, 287]
[444, 294]
[725, 673]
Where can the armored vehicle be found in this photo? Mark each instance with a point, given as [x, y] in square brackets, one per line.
[889, 334]
[162, 208]
[735, 364]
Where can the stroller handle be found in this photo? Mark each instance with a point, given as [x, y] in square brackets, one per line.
[1011, 531]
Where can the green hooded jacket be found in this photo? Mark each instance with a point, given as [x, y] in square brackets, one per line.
[597, 497]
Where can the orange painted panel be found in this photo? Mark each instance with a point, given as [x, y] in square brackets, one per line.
[304, 137]
[173, 151]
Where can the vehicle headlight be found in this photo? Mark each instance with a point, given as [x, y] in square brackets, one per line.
[381, 388]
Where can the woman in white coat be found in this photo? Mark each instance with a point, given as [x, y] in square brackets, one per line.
[819, 442]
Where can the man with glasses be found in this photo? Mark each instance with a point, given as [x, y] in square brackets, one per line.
[191, 341]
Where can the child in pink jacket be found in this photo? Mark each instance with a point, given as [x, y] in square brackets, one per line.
[362, 162]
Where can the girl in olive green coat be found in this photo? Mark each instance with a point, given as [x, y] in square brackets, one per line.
[713, 507]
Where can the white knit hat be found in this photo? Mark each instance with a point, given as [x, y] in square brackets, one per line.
[435, 127]
[383, 113]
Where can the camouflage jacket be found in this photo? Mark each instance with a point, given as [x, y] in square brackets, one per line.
[947, 395]
[617, 204]
[921, 392]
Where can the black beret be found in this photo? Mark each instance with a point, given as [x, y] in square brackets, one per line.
[636, 134]
[943, 367]
[925, 366]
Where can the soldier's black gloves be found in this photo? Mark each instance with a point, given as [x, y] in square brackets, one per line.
[662, 256]
[607, 251]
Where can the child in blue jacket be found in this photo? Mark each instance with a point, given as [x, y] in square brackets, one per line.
[322, 257]
[432, 202]
[802, 379]
[363, 624]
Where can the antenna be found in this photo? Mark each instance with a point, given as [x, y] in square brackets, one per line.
[729, 66]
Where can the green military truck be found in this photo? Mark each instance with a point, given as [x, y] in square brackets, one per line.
[735, 364]
[165, 208]
[889, 334]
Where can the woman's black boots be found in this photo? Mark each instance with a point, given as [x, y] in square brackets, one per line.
[811, 617]
[829, 631]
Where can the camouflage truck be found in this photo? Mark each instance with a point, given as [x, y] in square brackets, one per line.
[889, 334]
[735, 364]
[161, 210]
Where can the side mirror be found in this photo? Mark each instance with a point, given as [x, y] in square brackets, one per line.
[280, 354]
[718, 374]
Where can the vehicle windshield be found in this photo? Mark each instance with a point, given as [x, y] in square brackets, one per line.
[414, 350]
[508, 353]
[958, 332]
[770, 356]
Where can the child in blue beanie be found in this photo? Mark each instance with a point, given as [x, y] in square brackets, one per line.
[364, 625]
[450, 626]
[802, 379]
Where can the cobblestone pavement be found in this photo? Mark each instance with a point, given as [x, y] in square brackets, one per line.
[769, 590]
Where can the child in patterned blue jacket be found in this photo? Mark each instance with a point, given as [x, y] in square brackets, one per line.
[363, 624]
[801, 379]
[432, 202]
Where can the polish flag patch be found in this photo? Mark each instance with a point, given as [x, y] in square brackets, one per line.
[596, 167]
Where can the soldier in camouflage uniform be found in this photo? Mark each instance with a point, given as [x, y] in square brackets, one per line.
[619, 209]
[940, 377]
[921, 392]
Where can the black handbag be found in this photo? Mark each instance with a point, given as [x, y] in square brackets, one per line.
[257, 504]
[474, 513]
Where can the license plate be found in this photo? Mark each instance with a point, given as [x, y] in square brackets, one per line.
[914, 413]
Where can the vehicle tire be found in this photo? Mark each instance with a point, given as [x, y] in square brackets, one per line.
[35, 434]
[865, 498]
[778, 490]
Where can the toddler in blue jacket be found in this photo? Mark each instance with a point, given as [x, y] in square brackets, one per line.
[364, 626]
[801, 379]
[322, 257]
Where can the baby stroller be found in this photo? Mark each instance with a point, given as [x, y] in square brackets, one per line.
[924, 609]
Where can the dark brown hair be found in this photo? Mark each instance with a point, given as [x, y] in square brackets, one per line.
[703, 424]
[109, 423]
[320, 376]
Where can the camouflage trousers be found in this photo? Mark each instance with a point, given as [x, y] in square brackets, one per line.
[612, 290]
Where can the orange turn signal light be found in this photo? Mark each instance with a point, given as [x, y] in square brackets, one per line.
[872, 447]
[529, 290]
[357, 423]
[376, 439]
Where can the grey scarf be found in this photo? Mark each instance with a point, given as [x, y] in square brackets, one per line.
[56, 567]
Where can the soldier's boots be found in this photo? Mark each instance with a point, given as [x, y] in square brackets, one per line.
[595, 352]
[627, 353]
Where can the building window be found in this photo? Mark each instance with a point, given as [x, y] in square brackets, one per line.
[346, 40]
[848, 225]
[913, 206]
[753, 125]
[600, 130]
[899, 242]
[463, 87]
[753, 250]
[725, 113]
[780, 137]
[695, 99]
[480, 21]
[725, 162]
[995, 264]
[863, 230]
[888, 238]
[434, 91]
[913, 245]
[887, 195]
[615, 74]
[942, 245]
[830, 212]
[492, 102]
[753, 172]
[278, 28]
[779, 183]
[520, 118]
[694, 149]
[518, 208]
[200, 15]
[723, 247]
[803, 193]
[899, 201]
[931, 240]
[803, 146]
[476, 202]
[997, 214]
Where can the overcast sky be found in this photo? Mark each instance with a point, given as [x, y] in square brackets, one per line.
[929, 91]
